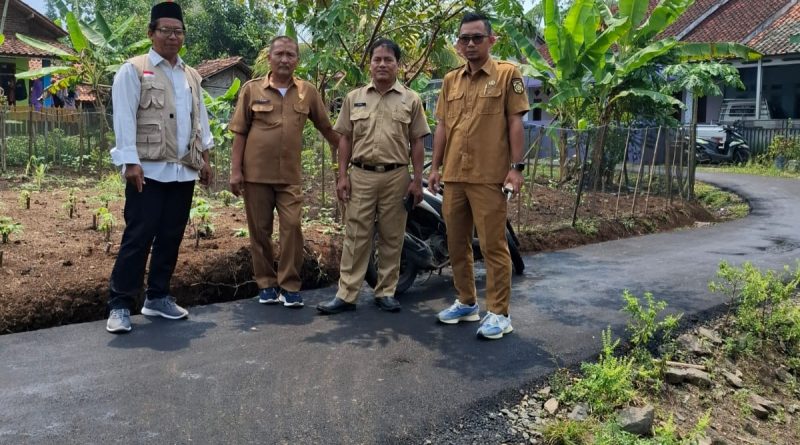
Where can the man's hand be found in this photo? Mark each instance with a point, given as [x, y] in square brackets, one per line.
[236, 182]
[433, 181]
[206, 174]
[415, 190]
[514, 177]
[343, 188]
[135, 175]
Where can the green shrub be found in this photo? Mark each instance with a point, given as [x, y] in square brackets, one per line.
[784, 146]
[8, 227]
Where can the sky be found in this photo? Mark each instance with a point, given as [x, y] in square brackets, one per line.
[37, 5]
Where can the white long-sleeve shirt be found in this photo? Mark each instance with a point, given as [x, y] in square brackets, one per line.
[125, 95]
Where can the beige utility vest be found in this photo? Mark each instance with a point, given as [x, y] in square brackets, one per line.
[156, 123]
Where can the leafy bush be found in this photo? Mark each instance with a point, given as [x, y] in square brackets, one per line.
[607, 384]
[765, 310]
[783, 146]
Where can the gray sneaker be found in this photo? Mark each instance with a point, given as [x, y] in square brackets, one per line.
[163, 307]
[119, 321]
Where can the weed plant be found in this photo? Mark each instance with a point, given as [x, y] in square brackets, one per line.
[8, 227]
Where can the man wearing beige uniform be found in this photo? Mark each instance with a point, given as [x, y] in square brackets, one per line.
[378, 124]
[265, 167]
[479, 137]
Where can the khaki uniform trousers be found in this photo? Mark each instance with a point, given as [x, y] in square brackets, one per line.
[483, 206]
[260, 201]
[373, 194]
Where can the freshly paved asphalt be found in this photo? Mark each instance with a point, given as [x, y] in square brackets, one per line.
[245, 373]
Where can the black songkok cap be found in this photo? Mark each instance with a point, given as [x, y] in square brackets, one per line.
[166, 10]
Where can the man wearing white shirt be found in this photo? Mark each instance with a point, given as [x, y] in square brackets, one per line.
[162, 142]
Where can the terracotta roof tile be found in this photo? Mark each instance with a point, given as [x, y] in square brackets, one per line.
[691, 14]
[735, 21]
[774, 39]
[15, 47]
[208, 68]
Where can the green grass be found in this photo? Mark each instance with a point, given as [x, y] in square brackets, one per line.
[751, 169]
[720, 202]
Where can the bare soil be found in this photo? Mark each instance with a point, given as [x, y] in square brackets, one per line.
[56, 271]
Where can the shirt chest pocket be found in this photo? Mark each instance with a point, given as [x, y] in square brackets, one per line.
[360, 121]
[490, 102]
[401, 120]
[455, 103]
[153, 94]
[301, 110]
[265, 114]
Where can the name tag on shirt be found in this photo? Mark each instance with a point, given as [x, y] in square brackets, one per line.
[360, 104]
[262, 101]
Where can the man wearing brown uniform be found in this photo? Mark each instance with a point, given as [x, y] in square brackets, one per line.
[265, 167]
[479, 136]
[378, 124]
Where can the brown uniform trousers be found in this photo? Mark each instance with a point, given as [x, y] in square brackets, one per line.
[373, 195]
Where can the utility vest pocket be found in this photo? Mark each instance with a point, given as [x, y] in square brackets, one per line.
[149, 137]
[153, 94]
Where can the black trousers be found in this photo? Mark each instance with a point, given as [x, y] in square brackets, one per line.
[155, 218]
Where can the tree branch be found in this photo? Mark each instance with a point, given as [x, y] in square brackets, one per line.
[374, 33]
[423, 58]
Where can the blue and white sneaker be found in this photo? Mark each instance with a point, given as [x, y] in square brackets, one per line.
[291, 299]
[460, 312]
[269, 295]
[495, 326]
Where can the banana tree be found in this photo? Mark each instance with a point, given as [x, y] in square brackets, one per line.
[596, 51]
[95, 55]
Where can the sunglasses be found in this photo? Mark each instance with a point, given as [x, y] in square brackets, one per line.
[476, 39]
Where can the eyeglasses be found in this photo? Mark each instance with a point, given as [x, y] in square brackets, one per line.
[476, 38]
[167, 32]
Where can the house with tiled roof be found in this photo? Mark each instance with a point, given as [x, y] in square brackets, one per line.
[16, 56]
[764, 25]
[218, 74]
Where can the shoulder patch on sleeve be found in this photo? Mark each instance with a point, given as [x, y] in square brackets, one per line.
[518, 86]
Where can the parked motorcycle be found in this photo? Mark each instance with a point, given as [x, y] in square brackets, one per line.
[733, 150]
[425, 245]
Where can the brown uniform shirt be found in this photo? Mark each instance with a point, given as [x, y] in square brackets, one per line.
[382, 126]
[273, 125]
[474, 110]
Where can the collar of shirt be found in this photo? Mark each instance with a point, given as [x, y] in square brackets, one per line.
[155, 59]
[293, 82]
[490, 68]
[396, 87]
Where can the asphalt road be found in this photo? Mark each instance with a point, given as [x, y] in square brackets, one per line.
[245, 373]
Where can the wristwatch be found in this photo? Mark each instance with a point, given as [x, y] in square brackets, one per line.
[519, 166]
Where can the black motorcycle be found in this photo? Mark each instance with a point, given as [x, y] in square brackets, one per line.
[734, 150]
[425, 245]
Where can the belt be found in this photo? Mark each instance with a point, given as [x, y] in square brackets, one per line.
[378, 168]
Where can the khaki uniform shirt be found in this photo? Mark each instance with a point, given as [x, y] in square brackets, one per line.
[382, 126]
[273, 125]
[474, 110]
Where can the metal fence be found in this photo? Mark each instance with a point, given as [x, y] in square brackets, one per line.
[759, 139]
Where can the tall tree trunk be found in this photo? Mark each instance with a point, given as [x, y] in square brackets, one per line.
[598, 151]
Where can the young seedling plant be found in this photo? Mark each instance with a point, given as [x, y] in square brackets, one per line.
[70, 205]
[25, 199]
[201, 219]
[105, 222]
[8, 227]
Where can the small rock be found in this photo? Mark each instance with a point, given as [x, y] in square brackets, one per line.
[505, 411]
[693, 344]
[66, 263]
[580, 412]
[636, 420]
[551, 406]
[692, 376]
[544, 391]
[710, 335]
[783, 375]
[793, 408]
[762, 407]
[733, 379]
[750, 428]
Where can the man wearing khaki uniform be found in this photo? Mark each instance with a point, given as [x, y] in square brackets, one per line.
[378, 124]
[479, 136]
[265, 167]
